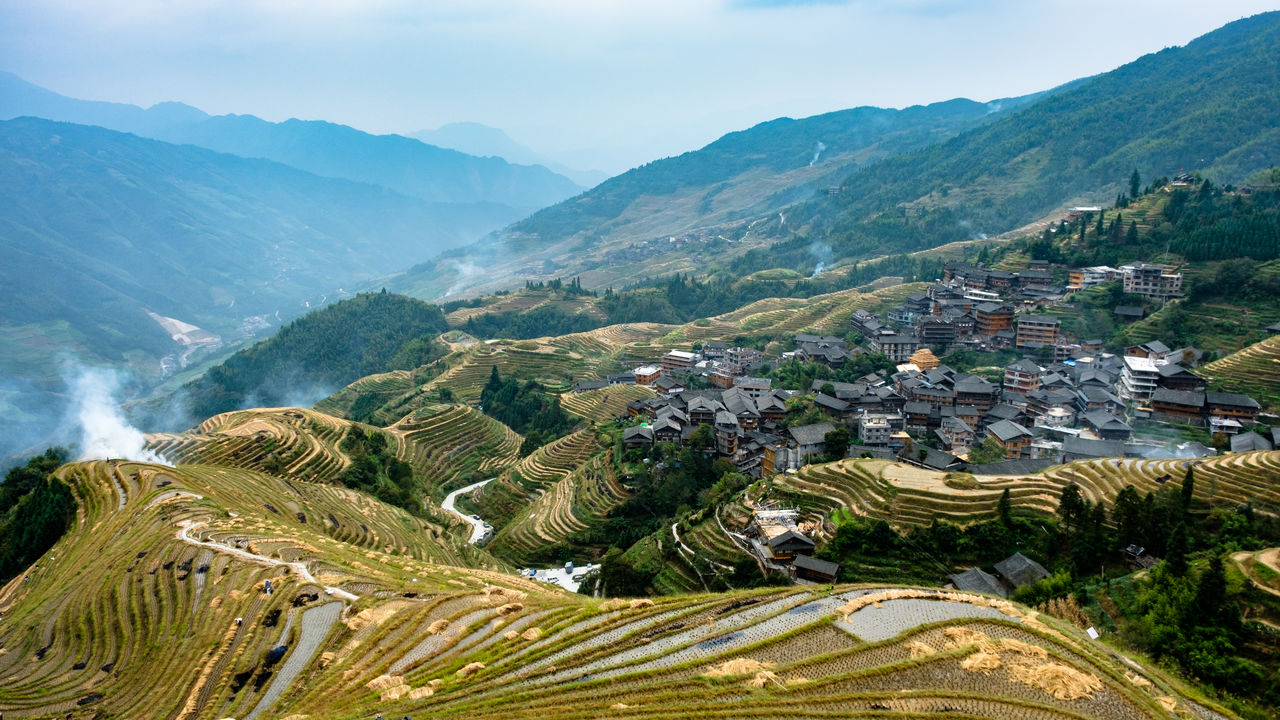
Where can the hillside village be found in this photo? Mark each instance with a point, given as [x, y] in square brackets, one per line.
[1063, 399]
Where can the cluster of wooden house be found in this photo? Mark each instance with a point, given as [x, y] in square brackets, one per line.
[779, 545]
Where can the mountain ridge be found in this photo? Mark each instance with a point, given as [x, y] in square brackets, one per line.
[408, 166]
[99, 227]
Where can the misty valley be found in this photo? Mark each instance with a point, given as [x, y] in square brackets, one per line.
[689, 387]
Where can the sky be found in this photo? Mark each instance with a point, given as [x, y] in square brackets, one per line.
[601, 84]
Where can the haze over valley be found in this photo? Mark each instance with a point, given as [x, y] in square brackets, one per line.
[724, 358]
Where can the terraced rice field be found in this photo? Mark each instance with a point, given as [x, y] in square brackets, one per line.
[579, 500]
[908, 495]
[605, 404]
[469, 369]
[304, 442]
[371, 614]
[1254, 371]
[450, 444]
[443, 443]
[384, 387]
[542, 473]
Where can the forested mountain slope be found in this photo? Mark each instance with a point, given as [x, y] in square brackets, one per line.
[1208, 107]
[753, 171]
[320, 352]
[98, 228]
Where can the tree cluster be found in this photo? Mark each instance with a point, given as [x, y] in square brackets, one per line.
[36, 509]
[526, 408]
[376, 470]
[321, 352]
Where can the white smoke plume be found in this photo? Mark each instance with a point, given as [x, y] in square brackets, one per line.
[822, 253]
[104, 433]
[467, 270]
[816, 152]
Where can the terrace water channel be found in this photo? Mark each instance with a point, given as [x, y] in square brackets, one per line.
[482, 531]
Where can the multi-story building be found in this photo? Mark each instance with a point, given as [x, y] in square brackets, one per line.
[1241, 408]
[741, 360]
[973, 390]
[898, 348]
[679, 361]
[1090, 276]
[991, 318]
[727, 433]
[1021, 377]
[1037, 330]
[1138, 379]
[1151, 280]
[1015, 439]
[647, 374]
[1178, 406]
[753, 386]
[874, 430]
[937, 332]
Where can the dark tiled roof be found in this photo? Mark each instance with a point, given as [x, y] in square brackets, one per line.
[811, 434]
[637, 433]
[1019, 570]
[1023, 366]
[804, 562]
[975, 580]
[1004, 411]
[1085, 447]
[1011, 467]
[1103, 420]
[1218, 398]
[788, 536]
[1249, 441]
[827, 401]
[1006, 430]
[1178, 397]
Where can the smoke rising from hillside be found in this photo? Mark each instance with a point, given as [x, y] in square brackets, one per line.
[817, 151]
[821, 252]
[104, 432]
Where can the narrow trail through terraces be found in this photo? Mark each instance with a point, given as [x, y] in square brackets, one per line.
[300, 568]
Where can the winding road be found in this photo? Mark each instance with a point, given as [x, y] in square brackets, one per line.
[478, 528]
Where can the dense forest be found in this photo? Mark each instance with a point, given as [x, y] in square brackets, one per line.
[1205, 106]
[321, 352]
[35, 510]
[1199, 222]
[527, 409]
[376, 470]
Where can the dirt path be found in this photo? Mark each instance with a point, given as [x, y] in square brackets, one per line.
[1269, 557]
[299, 568]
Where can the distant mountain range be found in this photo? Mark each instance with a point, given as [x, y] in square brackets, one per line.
[398, 163]
[755, 171]
[229, 223]
[1210, 107]
[98, 228]
[477, 139]
[870, 181]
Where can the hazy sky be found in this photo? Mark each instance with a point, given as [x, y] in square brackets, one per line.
[600, 83]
